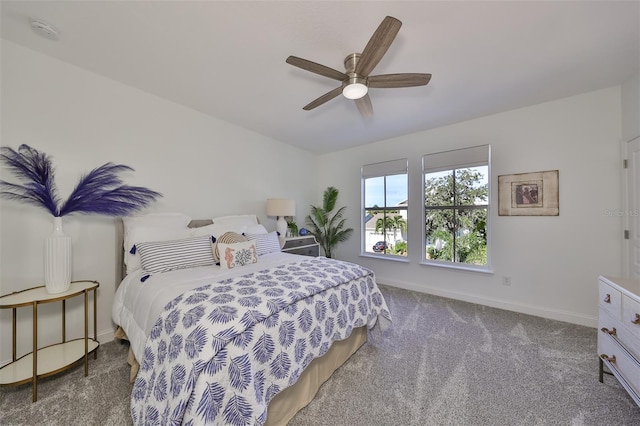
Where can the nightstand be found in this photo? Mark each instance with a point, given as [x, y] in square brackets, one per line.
[43, 362]
[306, 246]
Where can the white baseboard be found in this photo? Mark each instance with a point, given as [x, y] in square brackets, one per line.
[540, 311]
[106, 336]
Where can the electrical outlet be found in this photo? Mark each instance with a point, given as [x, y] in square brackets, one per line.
[506, 280]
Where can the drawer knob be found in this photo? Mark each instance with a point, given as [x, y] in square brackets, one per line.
[637, 320]
[606, 357]
[607, 299]
[611, 332]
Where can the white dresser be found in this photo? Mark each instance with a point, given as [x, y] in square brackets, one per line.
[619, 331]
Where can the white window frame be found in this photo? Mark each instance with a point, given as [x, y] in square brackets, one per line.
[457, 159]
[382, 169]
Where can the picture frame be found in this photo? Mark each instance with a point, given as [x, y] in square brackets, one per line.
[529, 194]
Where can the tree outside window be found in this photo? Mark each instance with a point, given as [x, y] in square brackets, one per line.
[456, 208]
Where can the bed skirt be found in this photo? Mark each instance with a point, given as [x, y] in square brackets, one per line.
[287, 403]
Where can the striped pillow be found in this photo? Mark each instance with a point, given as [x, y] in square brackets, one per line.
[265, 243]
[226, 238]
[164, 256]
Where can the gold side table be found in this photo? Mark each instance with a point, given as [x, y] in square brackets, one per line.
[55, 358]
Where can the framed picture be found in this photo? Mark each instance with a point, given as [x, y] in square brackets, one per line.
[529, 194]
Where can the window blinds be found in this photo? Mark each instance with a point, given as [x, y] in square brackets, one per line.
[386, 168]
[456, 159]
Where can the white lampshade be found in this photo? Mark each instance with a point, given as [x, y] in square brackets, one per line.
[281, 207]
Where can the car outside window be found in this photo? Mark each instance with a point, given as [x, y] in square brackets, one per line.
[384, 208]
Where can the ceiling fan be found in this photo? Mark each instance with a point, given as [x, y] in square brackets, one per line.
[356, 80]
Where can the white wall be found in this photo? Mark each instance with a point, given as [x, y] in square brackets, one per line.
[204, 167]
[553, 262]
[631, 108]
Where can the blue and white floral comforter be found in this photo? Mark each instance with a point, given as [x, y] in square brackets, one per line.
[220, 352]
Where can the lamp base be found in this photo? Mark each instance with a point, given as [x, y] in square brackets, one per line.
[281, 226]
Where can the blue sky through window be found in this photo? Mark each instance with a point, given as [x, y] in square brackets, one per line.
[396, 190]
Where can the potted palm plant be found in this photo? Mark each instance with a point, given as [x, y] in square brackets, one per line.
[100, 191]
[328, 228]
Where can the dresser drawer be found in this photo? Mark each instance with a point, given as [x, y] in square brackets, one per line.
[610, 300]
[631, 315]
[291, 243]
[621, 361]
[611, 328]
[313, 250]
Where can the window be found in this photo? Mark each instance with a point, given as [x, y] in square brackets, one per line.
[385, 204]
[456, 207]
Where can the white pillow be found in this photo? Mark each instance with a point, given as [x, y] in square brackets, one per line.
[237, 254]
[236, 223]
[163, 256]
[141, 234]
[213, 229]
[265, 243]
[256, 229]
[160, 220]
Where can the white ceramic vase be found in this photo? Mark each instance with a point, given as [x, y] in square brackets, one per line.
[57, 259]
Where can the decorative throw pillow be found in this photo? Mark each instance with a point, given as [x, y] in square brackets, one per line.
[150, 227]
[265, 243]
[164, 256]
[237, 254]
[226, 238]
[141, 234]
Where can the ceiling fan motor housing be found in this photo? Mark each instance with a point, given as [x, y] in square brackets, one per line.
[358, 85]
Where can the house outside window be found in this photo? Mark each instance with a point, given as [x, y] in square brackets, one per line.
[456, 208]
[384, 208]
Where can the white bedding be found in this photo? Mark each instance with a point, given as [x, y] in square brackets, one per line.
[151, 296]
[219, 353]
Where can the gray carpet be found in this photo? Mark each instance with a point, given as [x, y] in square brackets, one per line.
[443, 362]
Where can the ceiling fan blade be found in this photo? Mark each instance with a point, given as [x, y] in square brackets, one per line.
[399, 80]
[316, 68]
[378, 45]
[324, 98]
[364, 106]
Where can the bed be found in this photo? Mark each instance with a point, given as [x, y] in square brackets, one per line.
[247, 344]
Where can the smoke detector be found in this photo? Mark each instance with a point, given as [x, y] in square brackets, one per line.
[44, 29]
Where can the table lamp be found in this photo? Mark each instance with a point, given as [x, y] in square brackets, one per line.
[281, 207]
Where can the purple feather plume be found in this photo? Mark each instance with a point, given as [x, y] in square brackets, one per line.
[101, 191]
[36, 171]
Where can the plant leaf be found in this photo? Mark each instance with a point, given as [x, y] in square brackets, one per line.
[329, 199]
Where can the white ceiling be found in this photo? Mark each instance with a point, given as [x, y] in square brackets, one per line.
[227, 59]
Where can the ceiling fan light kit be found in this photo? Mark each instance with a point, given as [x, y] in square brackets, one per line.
[356, 80]
[356, 89]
